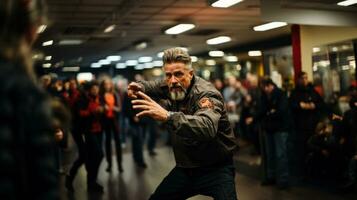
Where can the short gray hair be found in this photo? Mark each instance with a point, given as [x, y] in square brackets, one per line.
[177, 54]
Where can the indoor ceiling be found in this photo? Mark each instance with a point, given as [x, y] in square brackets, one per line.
[145, 20]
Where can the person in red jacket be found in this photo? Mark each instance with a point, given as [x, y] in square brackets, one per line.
[91, 112]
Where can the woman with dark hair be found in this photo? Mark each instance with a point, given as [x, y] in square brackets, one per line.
[110, 101]
[27, 136]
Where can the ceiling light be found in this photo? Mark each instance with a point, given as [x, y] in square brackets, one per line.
[104, 62]
[218, 40]
[160, 54]
[131, 62]
[71, 69]
[158, 63]
[70, 42]
[216, 53]
[254, 53]
[109, 28]
[47, 43]
[210, 62]
[120, 66]
[194, 59]
[46, 65]
[347, 3]
[139, 67]
[95, 65]
[145, 59]
[148, 65]
[225, 3]
[41, 29]
[48, 58]
[316, 49]
[231, 58]
[180, 28]
[84, 76]
[113, 58]
[334, 49]
[141, 45]
[268, 26]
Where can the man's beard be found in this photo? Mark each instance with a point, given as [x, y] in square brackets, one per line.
[177, 95]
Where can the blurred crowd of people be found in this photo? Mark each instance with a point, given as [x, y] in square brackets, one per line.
[296, 132]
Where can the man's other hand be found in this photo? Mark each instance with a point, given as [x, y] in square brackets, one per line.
[133, 89]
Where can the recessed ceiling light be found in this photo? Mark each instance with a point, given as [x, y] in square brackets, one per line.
[218, 40]
[160, 54]
[46, 65]
[231, 58]
[225, 3]
[48, 58]
[41, 29]
[113, 58]
[148, 65]
[210, 62]
[254, 53]
[141, 45]
[216, 53]
[194, 59]
[158, 63]
[180, 28]
[131, 62]
[316, 49]
[47, 43]
[71, 69]
[145, 59]
[269, 26]
[95, 65]
[84, 76]
[139, 67]
[109, 28]
[70, 42]
[347, 3]
[104, 62]
[120, 66]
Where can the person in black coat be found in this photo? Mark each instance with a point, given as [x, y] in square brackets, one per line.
[27, 135]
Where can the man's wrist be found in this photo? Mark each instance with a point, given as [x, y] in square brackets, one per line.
[169, 115]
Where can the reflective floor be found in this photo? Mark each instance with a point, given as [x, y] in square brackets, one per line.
[137, 184]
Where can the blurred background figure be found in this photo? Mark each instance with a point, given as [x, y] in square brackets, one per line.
[27, 141]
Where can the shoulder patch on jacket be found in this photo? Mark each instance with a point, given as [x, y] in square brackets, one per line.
[206, 103]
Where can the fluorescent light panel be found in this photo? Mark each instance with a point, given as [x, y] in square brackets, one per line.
[47, 43]
[113, 58]
[70, 42]
[347, 3]
[41, 29]
[46, 65]
[145, 59]
[225, 3]
[269, 26]
[104, 62]
[231, 58]
[109, 28]
[85, 76]
[131, 62]
[160, 54]
[254, 53]
[158, 63]
[48, 58]
[180, 28]
[216, 53]
[210, 62]
[194, 59]
[218, 40]
[95, 65]
[71, 69]
[120, 66]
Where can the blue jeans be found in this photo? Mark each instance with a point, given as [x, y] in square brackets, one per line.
[277, 157]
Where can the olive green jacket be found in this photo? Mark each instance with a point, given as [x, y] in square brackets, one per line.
[199, 126]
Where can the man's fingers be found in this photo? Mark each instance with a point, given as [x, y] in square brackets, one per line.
[141, 107]
[144, 96]
[144, 113]
[140, 102]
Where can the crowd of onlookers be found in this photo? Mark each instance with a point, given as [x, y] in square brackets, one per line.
[296, 132]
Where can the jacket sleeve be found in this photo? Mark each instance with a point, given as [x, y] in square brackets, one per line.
[203, 124]
[153, 89]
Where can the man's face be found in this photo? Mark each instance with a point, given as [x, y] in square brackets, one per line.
[268, 89]
[178, 79]
[303, 80]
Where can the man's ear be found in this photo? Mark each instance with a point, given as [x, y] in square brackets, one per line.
[191, 73]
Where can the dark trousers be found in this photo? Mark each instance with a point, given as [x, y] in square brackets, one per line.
[78, 139]
[137, 139]
[94, 155]
[181, 183]
[111, 128]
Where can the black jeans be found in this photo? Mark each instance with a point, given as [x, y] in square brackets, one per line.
[111, 128]
[182, 183]
[94, 156]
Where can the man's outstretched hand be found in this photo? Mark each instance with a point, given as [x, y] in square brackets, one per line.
[133, 89]
[149, 107]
